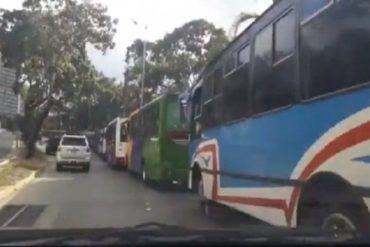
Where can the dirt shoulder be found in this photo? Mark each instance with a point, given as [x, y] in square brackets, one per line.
[19, 168]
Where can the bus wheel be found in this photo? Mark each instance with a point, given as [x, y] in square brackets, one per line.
[143, 175]
[196, 176]
[207, 207]
[333, 206]
[340, 222]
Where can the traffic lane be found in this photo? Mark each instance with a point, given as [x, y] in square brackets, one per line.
[6, 142]
[106, 198]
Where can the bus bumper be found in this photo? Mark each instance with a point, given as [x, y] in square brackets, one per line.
[121, 162]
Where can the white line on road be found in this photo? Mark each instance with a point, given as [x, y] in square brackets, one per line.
[15, 216]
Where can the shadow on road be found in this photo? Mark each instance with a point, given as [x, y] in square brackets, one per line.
[232, 218]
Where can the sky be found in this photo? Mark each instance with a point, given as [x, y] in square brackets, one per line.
[160, 17]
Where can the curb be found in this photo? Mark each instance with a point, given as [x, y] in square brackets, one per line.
[9, 190]
[7, 161]
[4, 162]
[41, 170]
[10, 156]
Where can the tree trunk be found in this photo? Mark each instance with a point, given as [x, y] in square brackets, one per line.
[34, 132]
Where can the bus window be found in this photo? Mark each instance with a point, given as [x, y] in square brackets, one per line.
[273, 84]
[174, 121]
[123, 133]
[284, 37]
[244, 55]
[184, 116]
[235, 90]
[217, 82]
[311, 8]
[151, 120]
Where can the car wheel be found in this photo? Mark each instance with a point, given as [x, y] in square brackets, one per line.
[59, 167]
[87, 168]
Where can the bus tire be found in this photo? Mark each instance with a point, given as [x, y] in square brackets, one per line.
[196, 176]
[329, 203]
[144, 176]
[206, 206]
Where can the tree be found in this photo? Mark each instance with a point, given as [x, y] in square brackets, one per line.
[174, 62]
[46, 43]
[241, 18]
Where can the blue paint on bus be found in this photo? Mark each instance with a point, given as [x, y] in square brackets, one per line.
[272, 145]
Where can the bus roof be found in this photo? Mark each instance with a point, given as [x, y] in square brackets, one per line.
[134, 113]
[117, 119]
[153, 102]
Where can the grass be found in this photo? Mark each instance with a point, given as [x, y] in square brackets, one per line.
[20, 168]
[9, 175]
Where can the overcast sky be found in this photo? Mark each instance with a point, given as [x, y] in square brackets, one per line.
[161, 17]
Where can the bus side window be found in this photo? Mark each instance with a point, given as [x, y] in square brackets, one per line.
[274, 67]
[195, 114]
[235, 88]
[310, 8]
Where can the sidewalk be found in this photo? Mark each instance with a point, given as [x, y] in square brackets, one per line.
[7, 148]
[18, 172]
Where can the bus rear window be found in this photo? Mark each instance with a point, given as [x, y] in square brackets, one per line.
[123, 133]
[175, 120]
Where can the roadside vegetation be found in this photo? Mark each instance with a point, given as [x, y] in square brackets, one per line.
[20, 168]
[55, 76]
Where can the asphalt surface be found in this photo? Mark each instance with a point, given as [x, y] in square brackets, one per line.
[101, 198]
[6, 142]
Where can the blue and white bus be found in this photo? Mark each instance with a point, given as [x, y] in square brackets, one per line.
[280, 119]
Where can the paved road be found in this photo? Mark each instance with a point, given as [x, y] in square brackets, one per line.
[101, 198]
[6, 142]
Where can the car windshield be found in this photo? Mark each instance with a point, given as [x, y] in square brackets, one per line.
[73, 141]
[203, 114]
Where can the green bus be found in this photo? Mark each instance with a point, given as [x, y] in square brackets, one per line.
[158, 142]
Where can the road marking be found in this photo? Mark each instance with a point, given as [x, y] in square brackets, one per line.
[15, 216]
[48, 217]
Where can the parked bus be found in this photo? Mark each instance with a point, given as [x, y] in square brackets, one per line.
[280, 123]
[159, 142]
[116, 142]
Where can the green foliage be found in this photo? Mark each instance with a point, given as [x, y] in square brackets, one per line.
[174, 62]
[46, 43]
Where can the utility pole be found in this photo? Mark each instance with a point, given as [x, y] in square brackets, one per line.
[144, 62]
[143, 76]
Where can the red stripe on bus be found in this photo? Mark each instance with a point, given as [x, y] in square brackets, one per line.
[349, 139]
[255, 201]
[343, 142]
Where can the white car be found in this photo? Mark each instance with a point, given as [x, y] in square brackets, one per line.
[73, 151]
